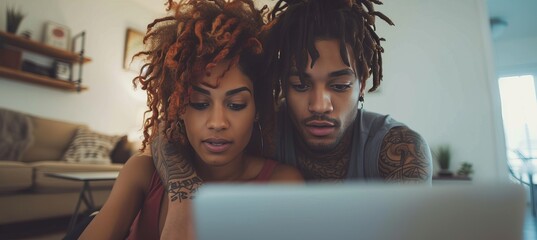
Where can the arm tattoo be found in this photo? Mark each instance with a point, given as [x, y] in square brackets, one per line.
[184, 189]
[404, 157]
[170, 159]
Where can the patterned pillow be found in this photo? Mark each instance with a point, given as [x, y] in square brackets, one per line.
[90, 147]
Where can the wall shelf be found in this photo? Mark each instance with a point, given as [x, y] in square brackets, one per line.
[17, 75]
[50, 52]
[41, 48]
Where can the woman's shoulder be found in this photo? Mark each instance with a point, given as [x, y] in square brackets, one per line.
[139, 169]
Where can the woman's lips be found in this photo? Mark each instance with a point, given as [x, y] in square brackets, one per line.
[216, 145]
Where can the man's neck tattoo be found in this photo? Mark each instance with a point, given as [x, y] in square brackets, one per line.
[330, 166]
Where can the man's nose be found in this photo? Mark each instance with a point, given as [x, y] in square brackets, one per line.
[217, 119]
[320, 101]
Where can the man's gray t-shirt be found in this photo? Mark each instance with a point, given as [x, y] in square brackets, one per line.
[369, 131]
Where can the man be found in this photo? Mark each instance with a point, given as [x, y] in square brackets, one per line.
[320, 54]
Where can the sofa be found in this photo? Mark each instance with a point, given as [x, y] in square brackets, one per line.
[26, 192]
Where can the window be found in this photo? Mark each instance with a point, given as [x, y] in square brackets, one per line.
[519, 111]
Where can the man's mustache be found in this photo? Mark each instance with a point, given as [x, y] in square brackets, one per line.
[321, 117]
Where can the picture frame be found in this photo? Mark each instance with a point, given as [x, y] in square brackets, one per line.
[133, 45]
[57, 35]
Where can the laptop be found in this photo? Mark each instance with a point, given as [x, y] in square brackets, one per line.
[358, 211]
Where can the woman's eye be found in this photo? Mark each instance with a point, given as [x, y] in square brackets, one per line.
[236, 106]
[341, 87]
[300, 87]
[199, 106]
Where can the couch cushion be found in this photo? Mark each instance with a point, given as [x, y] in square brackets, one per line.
[122, 151]
[14, 176]
[51, 139]
[90, 147]
[43, 183]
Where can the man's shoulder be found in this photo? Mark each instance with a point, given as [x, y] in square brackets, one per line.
[374, 122]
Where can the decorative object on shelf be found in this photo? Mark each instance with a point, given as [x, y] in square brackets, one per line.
[61, 70]
[133, 44]
[32, 67]
[10, 58]
[443, 156]
[465, 170]
[14, 19]
[27, 34]
[56, 35]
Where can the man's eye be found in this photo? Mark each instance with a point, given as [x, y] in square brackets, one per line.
[199, 106]
[341, 87]
[300, 87]
[236, 106]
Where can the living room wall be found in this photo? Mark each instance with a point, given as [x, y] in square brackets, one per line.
[438, 75]
[110, 105]
[516, 56]
[439, 80]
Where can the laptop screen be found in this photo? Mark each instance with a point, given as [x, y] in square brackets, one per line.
[358, 211]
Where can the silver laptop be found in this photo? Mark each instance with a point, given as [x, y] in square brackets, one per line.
[356, 211]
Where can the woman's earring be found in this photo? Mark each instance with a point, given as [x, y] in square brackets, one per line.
[361, 102]
[261, 135]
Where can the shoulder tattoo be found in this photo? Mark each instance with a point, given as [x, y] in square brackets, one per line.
[404, 157]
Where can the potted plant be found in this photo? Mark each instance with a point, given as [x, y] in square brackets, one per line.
[443, 156]
[465, 170]
[14, 19]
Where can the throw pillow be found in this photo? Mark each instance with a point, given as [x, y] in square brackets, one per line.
[122, 151]
[88, 146]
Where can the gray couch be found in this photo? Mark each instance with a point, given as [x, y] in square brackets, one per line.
[26, 193]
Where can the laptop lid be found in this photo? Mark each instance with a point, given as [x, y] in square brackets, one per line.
[357, 211]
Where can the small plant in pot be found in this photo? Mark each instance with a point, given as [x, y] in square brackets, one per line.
[465, 170]
[443, 156]
[14, 19]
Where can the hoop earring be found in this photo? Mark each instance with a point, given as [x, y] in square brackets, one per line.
[361, 102]
[261, 135]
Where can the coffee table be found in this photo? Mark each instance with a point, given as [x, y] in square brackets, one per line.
[85, 194]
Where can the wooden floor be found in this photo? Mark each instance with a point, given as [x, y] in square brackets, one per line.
[54, 229]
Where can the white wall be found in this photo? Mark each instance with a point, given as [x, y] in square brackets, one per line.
[438, 79]
[516, 56]
[110, 105]
[437, 75]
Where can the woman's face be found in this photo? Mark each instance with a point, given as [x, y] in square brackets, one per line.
[219, 121]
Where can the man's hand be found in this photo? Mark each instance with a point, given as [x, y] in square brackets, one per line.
[174, 167]
[405, 157]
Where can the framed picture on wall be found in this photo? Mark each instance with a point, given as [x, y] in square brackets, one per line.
[56, 35]
[133, 44]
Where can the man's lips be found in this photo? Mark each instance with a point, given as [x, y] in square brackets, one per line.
[320, 128]
[216, 145]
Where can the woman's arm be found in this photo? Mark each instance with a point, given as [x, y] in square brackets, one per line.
[181, 181]
[124, 202]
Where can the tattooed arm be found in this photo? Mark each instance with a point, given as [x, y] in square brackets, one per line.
[405, 157]
[181, 182]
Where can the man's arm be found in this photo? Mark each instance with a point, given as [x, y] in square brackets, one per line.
[405, 157]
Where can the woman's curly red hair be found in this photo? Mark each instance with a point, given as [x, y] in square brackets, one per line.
[191, 40]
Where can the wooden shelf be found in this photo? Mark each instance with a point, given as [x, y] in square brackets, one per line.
[17, 75]
[41, 48]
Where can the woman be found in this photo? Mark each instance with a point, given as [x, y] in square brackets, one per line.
[203, 92]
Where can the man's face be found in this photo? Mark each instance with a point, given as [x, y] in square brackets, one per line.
[325, 105]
